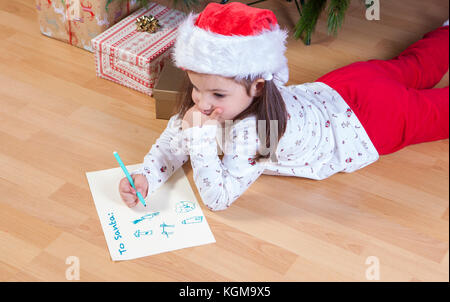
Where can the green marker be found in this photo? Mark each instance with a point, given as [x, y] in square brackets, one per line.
[139, 195]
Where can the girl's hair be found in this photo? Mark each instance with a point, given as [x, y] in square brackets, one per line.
[269, 105]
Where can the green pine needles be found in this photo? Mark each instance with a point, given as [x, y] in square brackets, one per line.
[306, 25]
[311, 11]
[336, 13]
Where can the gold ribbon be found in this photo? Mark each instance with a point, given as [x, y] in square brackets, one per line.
[147, 24]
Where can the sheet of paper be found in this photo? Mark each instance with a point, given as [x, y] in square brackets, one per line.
[171, 220]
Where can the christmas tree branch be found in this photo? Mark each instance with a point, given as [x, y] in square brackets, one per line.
[309, 11]
[307, 23]
[336, 14]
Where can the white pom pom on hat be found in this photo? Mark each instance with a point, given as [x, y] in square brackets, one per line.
[232, 40]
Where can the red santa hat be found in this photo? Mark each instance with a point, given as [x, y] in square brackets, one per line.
[232, 40]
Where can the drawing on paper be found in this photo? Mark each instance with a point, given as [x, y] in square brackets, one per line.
[164, 226]
[184, 206]
[140, 233]
[146, 217]
[193, 219]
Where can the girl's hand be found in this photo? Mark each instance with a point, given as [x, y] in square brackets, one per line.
[203, 119]
[127, 192]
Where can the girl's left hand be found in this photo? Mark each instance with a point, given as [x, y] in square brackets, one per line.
[188, 119]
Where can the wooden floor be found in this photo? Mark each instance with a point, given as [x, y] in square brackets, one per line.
[58, 121]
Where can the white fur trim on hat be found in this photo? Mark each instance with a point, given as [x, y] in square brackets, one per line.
[203, 51]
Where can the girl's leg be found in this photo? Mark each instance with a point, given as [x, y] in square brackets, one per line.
[395, 116]
[423, 64]
[427, 116]
[402, 116]
[393, 113]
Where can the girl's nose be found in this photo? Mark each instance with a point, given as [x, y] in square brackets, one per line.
[203, 106]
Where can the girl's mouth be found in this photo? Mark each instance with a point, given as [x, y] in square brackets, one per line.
[207, 112]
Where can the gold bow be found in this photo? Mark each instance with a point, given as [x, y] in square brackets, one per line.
[147, 23]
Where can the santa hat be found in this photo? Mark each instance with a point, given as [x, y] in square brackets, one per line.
[232, 40]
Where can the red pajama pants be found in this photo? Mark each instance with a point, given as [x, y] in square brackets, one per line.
[394, 99]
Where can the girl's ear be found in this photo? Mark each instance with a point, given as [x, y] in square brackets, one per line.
[257, 87]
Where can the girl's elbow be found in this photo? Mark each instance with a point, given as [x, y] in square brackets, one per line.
[220, 202]
[216, 207]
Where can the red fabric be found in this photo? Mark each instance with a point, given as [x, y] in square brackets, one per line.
[235, 18]
[394, 99]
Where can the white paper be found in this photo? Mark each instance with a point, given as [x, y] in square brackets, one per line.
[171, 220]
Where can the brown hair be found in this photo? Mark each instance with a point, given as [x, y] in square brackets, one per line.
[269, 105]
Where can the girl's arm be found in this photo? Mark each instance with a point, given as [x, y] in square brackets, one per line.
[164, 157]
[220, 183]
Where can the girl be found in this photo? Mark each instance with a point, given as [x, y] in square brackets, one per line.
[234, 58]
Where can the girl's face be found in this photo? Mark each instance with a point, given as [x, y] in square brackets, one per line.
[213, 91]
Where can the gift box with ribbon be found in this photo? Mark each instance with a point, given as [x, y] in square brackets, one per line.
[78, 21]
[133, 52]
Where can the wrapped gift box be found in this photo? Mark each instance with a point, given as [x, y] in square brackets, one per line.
[78, 21]
[133, 58]
[166, 93]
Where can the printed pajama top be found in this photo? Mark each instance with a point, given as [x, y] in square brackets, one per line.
[323, 137]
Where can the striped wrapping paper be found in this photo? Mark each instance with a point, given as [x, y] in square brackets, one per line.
[135, 59]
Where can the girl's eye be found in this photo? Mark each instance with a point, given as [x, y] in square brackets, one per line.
[218, 95]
